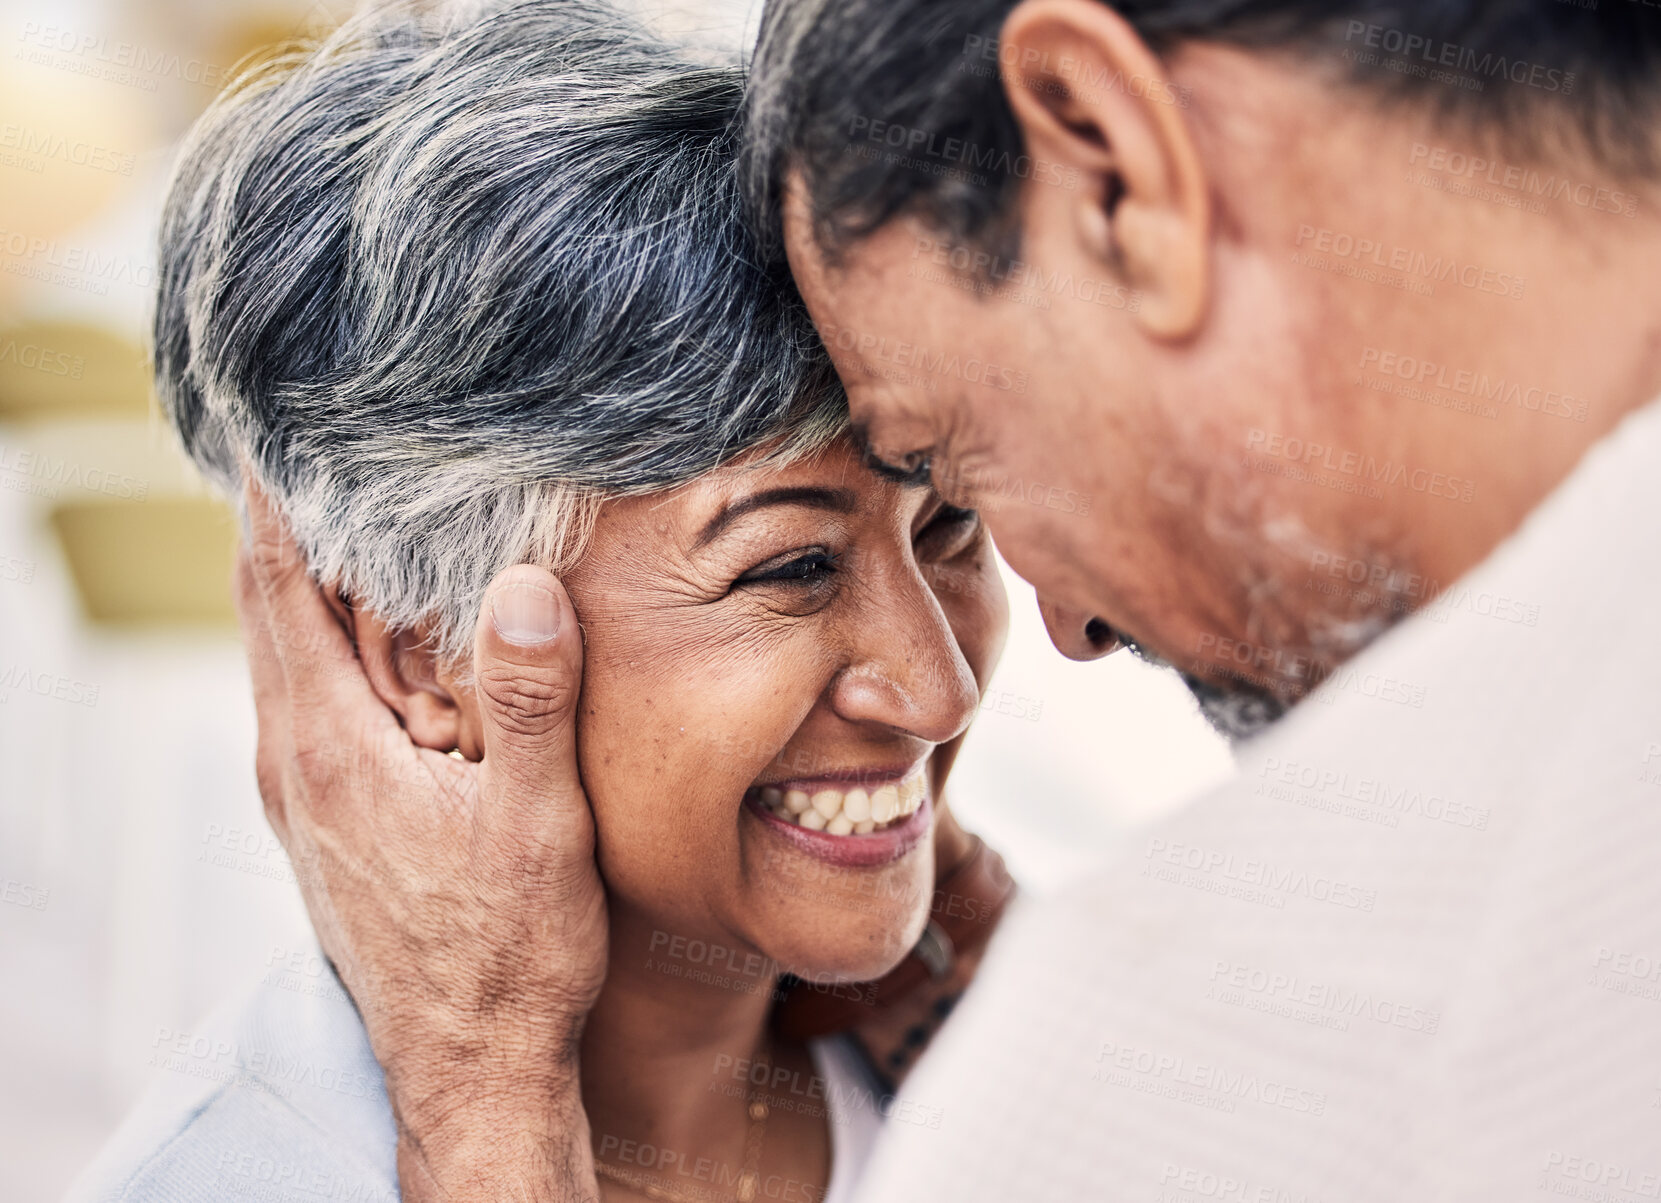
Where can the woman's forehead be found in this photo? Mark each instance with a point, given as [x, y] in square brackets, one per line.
[833, 478]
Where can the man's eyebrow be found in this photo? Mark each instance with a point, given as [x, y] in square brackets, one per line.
[911, 478]
[839, 501]
[920, 477]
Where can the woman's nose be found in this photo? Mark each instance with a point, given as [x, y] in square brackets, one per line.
[1077, 635]
[907, 671]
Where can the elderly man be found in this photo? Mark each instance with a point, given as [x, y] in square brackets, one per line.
[1309, 348]
[1346, 318]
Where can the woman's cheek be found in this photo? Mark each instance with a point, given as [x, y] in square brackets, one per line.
[628, 753]
[977, 610]
[671, 751]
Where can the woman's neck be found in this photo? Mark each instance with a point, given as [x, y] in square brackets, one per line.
[666, 1051]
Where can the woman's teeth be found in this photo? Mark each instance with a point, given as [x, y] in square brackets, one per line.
[855, 811]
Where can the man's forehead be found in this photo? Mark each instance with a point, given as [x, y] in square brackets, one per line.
[809, 264]
[822, 270]
[852, 306]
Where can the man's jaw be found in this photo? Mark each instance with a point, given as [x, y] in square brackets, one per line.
[1311, 628]
[1238, 711]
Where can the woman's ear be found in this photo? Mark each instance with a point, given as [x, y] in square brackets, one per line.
[1094, 101]
[404, 671]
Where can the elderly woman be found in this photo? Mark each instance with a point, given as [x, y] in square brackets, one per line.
[459, 295]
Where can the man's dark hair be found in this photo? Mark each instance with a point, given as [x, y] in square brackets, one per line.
[891, 106]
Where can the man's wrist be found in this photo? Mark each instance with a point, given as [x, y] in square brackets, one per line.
[523, 1139]
[491, 1111]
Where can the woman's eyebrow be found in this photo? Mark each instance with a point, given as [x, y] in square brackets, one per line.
[839, 501]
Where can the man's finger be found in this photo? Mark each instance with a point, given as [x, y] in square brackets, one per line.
[528, 665]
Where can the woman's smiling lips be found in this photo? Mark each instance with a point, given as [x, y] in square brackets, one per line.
[871, 823]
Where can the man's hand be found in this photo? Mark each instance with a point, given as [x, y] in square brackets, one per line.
[460, 902]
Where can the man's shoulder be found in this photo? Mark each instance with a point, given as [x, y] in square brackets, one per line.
[277, 1096]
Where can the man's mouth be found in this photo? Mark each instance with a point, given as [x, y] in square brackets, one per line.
[846, 810]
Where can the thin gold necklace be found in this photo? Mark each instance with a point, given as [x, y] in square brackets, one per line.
[749, 1180]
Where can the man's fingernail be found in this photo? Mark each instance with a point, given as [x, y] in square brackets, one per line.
[525, 614]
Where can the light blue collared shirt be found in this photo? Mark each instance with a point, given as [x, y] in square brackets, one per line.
[277, 1098]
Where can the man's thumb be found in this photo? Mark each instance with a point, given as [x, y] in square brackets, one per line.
[527, 660]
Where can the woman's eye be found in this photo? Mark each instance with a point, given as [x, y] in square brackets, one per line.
[804, 569]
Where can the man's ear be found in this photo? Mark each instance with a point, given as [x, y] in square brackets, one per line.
[1093, 99]
[403, 670]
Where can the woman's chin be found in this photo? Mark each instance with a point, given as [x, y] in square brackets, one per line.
[839, 907]
[858, 952]
[843, 926]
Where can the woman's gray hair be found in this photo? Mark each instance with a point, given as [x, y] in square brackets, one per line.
[441, 285]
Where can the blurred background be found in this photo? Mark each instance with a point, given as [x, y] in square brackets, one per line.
[138, 881]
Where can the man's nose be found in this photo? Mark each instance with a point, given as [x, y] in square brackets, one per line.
[1077, 635]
